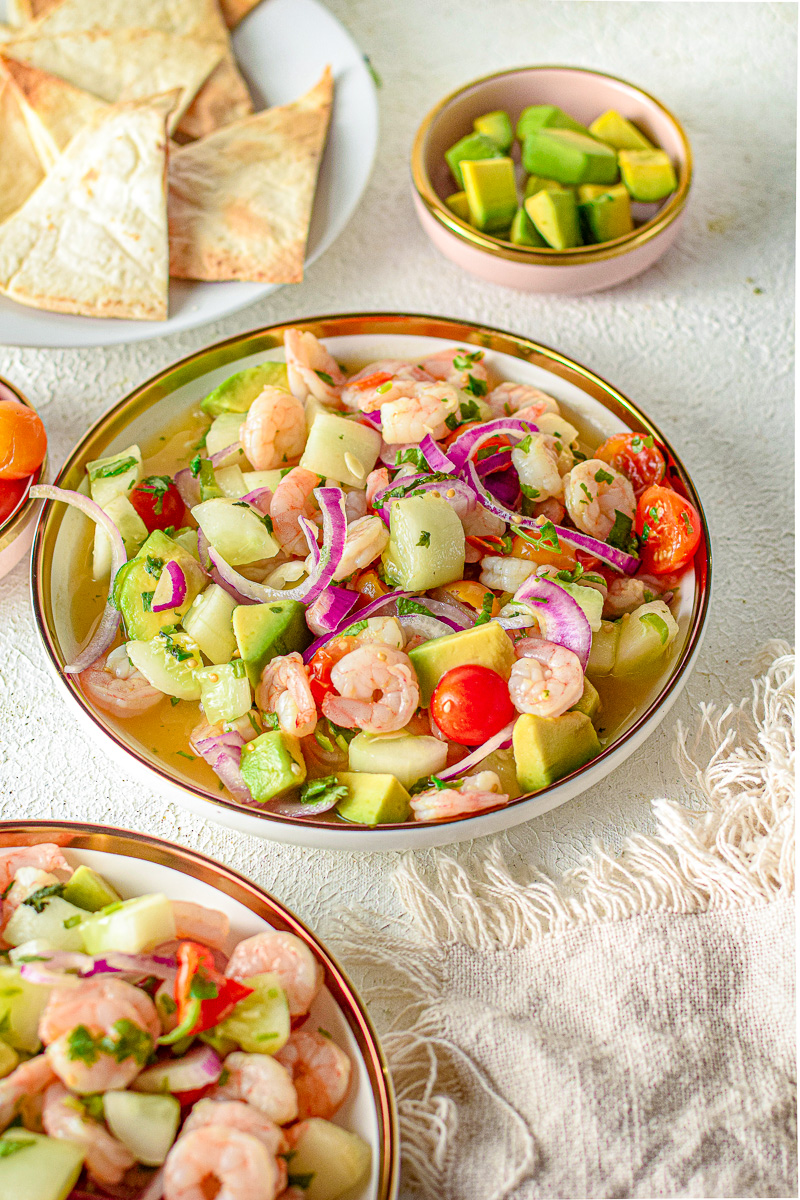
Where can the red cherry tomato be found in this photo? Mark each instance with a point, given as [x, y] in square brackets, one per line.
[669, 530]
[471, 704]
[158, 502]
[12, 493]
[636, 456]
[23, 441]
[323, 662]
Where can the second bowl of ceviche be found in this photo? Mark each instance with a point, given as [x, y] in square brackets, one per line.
[373, 581]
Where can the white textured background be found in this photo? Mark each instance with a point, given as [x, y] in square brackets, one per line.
[703, 343]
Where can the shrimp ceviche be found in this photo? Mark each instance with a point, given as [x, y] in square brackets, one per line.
[412, 592]
[138, 1060]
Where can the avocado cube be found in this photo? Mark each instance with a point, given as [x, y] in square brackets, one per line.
[484, 645]
[547, 748]
[238, 392]
[538, 183]
[272, 764]
[373, 799]
[589, 703]
[35, 1167]
[569, 157]
[86, 889]
[263, 631]
[472, 147]
[497, 126]
[491, 192]
[647, 174]
[524, 232]
[459, 206]
[546, 116]
[617, 131]
[555, 215]
[606, 216]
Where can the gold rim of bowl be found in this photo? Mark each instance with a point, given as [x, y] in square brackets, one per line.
[547, 256]
[242, 346]
[80, 836]
[14, 526]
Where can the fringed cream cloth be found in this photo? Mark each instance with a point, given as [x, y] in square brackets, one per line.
[627, 1030]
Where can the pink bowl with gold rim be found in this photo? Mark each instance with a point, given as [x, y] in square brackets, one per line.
[17, 527]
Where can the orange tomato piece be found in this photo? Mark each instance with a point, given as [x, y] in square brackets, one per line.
[369, 584]
[669, 530]
[636, 456]
[562, 559]
[23, 441]
[471, 593]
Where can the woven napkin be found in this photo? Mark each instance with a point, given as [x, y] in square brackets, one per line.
[627, 1030]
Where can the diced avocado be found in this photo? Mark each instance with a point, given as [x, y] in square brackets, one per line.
[606, 216]
[569, 157]
[589, 703]
[34, 1167]
[272, 764]
[129, 926]
[484, 645]
[341, 449]
[645, 635]
[145, 1124]
[547, 748]
[617, 131]
[238, 392]
[89, 890]
[590, 191]
[546, 116]
[472, 147]
[555, 215]
[426, 543]
[407, 756]
[136, 581]
[263, 631]
[491, 192]
[210, 622]
[329, 1159]
[459, 205]
[538, 183]
[497, 126]
[21, 1005]
[647, 174]
[225, 691]
[524, 232]
[603, 653]
[373, 799]
[168, 662]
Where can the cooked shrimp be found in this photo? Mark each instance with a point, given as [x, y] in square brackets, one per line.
[99, 1007]
[594, 493]
[293, 498]
[274, 430]
[45, 857]
[115, 685]
[63, 1116]
[503, 573]
[259, 1080]
[221, 1162]
[550, 509]
[320, 1070]
[307, 364]
[386, 631]
[28, 1079]
[425, 410]
[284, 689]
[626, 594]
[455, 366]
[521, 398]
[355, 505]
[538, 466]
[475, 793]
[200, 924]
[377, 690]
[365, 540]
[27, 880]
[235, 1114]
[362, 389]
[547, 680]
[376, 481]
[298, 970]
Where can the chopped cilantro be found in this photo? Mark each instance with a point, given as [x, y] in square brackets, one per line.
[110, 470]
[9, 1146]
[638, 443]
[602, 476]
[301, 1181]
[407, 608]
[645, 534]
[238, 669]
[687, 522]
[194, 466]
[203, 989]
[478, 387]
[508, 543]
[412, 455]
[327, 788]
[71, 922]
[253, 721]
[353, 630]
[325, 377]
[178, 652]
[587, 494]
[622, 535]
[93, 1106]
[174, 700]
[324, 1032]
[154, 566]
[183, 754]
[39, 899]
[147, 601]
[158, 486]
[82, 1045]
[132, 1042]
[464, 360]
[424, 538]
[486, 609]
[658, 623]
[525, 444]
[271, 721]
[531, 492]
[548, 536]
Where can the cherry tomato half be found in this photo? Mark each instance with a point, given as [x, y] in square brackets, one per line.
[158, 502]
[12, 493]
[323, 662]
[636, 456]
[669, 530]
[471, 704]
[23, 441]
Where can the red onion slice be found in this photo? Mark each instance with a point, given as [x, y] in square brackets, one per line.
[188, 486]
[223, 753]
[464, 445]
[563, 620]
[495, 462]
[331, 608]
[296, 808]
[219, 458]
[363, 614]
[171, 588]
[105, 632]
[414, 624]
[261, 499]
[500, 741]
[435, 457]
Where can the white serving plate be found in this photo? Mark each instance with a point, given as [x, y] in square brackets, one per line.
[282, 47]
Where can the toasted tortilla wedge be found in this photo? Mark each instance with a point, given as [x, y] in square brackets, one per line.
[240, 200]
[92, 238]
[20, 169]
[233, 11]
[55, 110]
[223, 98]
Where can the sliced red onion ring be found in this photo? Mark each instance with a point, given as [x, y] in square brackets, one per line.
[500, 741]
[223, 753]
[296, 808]
[105, 632]
[160, 965]
[261, 499]
[521, 621]
[373, 417]
[426, 627]
[495, 462]
[462, 498]
[363, 614]
[218, 459]
[334, 531]
[562, 618]
[171, 588]
[435, 457]
[331, 608]
[188, 486]
[44, 975]
[449, 609]
[464, 445]
[504, 486]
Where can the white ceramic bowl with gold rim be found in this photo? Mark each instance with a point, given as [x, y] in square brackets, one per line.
[137, 864]
[62, 544]
[16, 531]
[584, 95]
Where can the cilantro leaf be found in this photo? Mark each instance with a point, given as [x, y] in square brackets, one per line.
[602, 476]
[531, 492]
[271, 721]
[411, 455]
[158, 486]
[478, 387]
[424, 538]
[110, 470]
[39, 899]
[658, 623]
[325, 377]
[9, 1146]
[464, 360]
[622, 535]
[486, 609]
[327, 788]
[407, 608]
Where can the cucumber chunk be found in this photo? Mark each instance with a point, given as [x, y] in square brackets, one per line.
[169, 662]
[426, 543]
[114, 476]
[239, 532]
[260, 1023]
[224, 432]
[34, 1167]
[145, 1123]
[58, 923]
[210, 622]
[130, 926]
[21, 1005]
[326, 1159]
[268, 479]
[406, 756]
[231, 483]
[603, 653]
[89, 890]
[645, 635]
[225, 691]
[339, 448]
[130, 525]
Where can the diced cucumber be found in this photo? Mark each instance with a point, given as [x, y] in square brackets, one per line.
[34, 1167]
[239, 532]
[168, 662]
[224, 432]
[404, 755]
[9, 1059]
[135, 584]
[589, 599]
[603, 653]
[238, 392]
[21, 1005]
[645, 635]
[327, 1159]
[558, 427]
[260, 1023]
[313, 407]
[58, 923]
[259, 479]
[505, 768]
[230, 481]
[146, 1124]
[26, 951]
[114, 476]
[130, 525]
[187, 538]
[339, 448]
[224, 691]
[129, 927]
[89, 890]
[210, 622]
[426, 544]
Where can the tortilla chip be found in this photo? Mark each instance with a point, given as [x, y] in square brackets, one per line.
[7, 32]
[223, 98]
[122, 65]
[54, 109]
[92, 238]
[240, 201]
[20, 169]
[233, 11]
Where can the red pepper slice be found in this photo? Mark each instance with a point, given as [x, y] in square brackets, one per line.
[204, 996]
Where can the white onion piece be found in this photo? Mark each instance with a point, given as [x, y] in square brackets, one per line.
[426, 627]
[500, 741]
